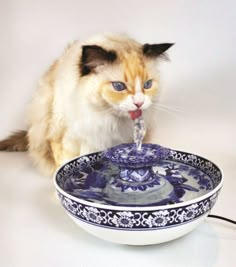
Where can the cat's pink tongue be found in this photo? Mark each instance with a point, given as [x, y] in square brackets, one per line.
[134, 114]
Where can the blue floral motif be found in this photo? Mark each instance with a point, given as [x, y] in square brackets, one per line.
[201, 178]
[95, 179]
[71, 206]
[136, 175]
[123, 219]
[92, 214]
[139, 187]
[77, 178]
[158, 218]
[194, 172]
[204, 182]
[189, 213]
[127, 155]
[173, 175]
[138, 219]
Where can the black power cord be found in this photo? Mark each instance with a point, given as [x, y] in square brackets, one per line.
[222, 218]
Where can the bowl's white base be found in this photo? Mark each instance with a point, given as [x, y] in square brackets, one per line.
[145, 237]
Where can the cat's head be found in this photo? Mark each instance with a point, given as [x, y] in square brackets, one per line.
[121, 74]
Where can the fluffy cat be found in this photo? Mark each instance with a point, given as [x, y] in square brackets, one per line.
[85, 101]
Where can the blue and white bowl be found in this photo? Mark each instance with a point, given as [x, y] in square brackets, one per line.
[83, 187]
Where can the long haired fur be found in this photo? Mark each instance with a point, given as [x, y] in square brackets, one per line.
[75, 110]
[18, 141]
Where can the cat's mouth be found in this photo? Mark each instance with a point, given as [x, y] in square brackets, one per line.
[134, 114]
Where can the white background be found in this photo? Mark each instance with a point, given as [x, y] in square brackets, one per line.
[200, 80]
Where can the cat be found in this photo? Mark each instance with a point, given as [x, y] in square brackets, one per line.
[87, 99]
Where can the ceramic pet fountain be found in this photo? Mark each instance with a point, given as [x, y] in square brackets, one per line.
[138, 194]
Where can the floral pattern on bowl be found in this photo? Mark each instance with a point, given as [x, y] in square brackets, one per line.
[127, 155]
[196, 183]
[87, 178]
[138, 219]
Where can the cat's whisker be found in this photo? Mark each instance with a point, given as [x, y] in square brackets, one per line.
[173, 108]
[170, 105]
[169, 108]
[182, 111]
[161, 109]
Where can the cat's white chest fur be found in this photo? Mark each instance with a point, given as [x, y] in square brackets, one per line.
[100, 130]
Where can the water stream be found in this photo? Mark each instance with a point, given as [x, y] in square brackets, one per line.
[139, 132]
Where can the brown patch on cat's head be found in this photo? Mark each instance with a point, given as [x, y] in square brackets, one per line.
[133, 67]
[156, 50]
[94, 56]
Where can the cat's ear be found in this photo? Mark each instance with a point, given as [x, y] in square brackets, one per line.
[155, 50]
[94, 56]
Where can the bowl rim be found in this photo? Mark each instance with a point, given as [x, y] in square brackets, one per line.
[137, 208]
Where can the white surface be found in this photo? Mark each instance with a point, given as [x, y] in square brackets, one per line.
[139, 238]
[200, 79]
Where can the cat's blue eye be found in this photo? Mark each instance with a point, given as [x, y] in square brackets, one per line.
[147, 84]
[118, 86]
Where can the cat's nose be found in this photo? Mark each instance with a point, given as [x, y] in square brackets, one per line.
[138, 104]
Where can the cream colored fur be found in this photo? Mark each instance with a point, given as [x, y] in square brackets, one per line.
[67, 115]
